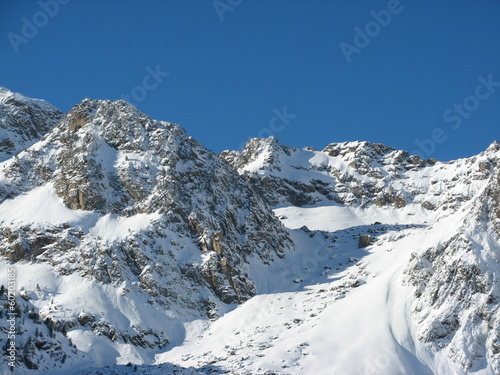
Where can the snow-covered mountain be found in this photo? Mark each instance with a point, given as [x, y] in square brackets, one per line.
[359, 174]
[121, 228]
[133, 243]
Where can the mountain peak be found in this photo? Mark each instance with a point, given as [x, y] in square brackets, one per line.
[258, 144]
[495, 146]
[357, 147]
[118, 123]
[4, 90]
[11, 97]
[258, 154]
[110, 159]
[89, 106]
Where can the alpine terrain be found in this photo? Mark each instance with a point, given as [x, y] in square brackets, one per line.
[127, 247]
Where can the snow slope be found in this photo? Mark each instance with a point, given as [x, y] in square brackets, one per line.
[331, 308]
[351, 312]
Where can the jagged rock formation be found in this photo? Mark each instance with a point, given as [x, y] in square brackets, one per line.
[457, 296]
[358, 174]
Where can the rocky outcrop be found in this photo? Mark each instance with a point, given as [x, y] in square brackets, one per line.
[365, 240]
[111, 159]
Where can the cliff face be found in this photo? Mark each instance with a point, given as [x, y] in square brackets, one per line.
[457, 293]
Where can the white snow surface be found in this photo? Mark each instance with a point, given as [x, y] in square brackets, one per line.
[40, 206]
[328, 308]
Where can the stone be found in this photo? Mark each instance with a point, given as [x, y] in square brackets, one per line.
[364, 241]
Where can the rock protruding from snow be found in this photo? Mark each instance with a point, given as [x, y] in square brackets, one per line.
[494, 147]
[364, 241]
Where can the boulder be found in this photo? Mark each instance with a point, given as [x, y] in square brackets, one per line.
[364, 241]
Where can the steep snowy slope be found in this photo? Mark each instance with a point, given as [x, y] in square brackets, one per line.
[457, 298]
[334, 308]
[23, 121]
[120, 228]
[434, 305]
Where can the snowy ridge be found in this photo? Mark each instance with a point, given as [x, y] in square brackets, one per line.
[359, 174]
[457, 292]
[454, 266]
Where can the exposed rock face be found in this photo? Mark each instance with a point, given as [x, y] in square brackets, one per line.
[159, 230]
[188, 226]
[23, 121]
[109, 158]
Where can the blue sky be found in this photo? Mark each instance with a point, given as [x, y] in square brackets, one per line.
[418, 75]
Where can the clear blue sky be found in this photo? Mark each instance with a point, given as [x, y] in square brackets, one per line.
[228, 78]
